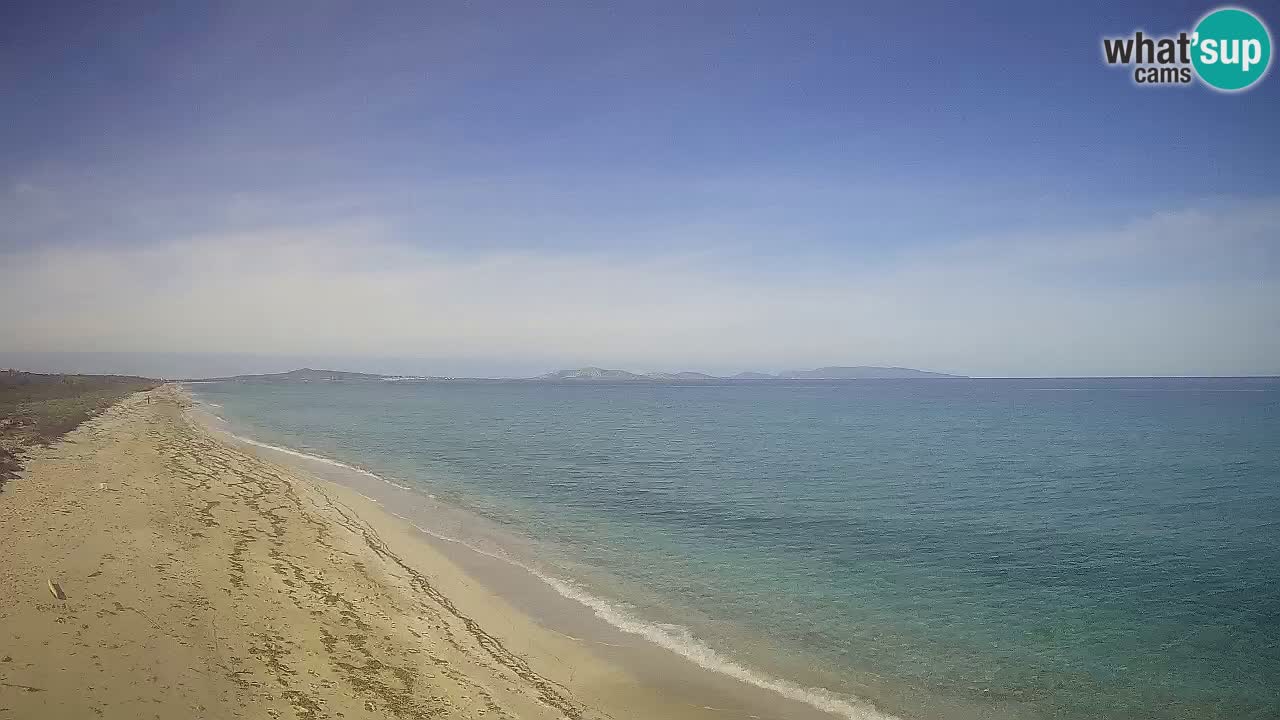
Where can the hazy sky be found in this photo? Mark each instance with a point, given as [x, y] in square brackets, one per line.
[506, 188]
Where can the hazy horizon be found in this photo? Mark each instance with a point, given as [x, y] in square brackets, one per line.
[454, 190]
[175, 366]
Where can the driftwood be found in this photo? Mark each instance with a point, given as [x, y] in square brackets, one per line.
[56, 590]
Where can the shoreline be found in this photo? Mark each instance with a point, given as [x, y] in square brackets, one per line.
[203, 579]
[666, 659]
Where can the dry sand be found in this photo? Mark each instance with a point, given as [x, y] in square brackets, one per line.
[204, 582]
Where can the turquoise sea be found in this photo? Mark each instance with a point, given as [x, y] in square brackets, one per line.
[1100, 548]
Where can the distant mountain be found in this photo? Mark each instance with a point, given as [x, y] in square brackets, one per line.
[687, 375]
[596, 374]
[590, 373]
[310, 375]
[861, 372]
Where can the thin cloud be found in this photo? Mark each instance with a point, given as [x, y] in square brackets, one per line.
[985, 308]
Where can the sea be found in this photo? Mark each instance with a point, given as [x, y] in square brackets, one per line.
[994, 548]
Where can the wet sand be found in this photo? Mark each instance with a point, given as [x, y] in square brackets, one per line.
[203, 580]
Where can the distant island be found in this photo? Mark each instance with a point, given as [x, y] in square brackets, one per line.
[862, 372]
[598, 374]
[858, 372]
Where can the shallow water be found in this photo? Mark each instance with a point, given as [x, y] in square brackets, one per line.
[1031, 548]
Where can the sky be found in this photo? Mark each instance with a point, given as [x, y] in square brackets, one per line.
[491, 188]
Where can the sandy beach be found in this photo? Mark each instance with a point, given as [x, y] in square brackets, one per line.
[203, 581]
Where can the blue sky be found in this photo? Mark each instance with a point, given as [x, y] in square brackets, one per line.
[500, 187]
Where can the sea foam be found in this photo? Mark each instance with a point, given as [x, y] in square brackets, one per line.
[315, 458]
[676, 638]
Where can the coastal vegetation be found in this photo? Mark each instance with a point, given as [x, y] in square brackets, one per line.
[36, 408]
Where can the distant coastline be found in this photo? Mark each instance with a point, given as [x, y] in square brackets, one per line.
[601, 375]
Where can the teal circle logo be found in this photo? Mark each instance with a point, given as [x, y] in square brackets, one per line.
[1232, 49]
